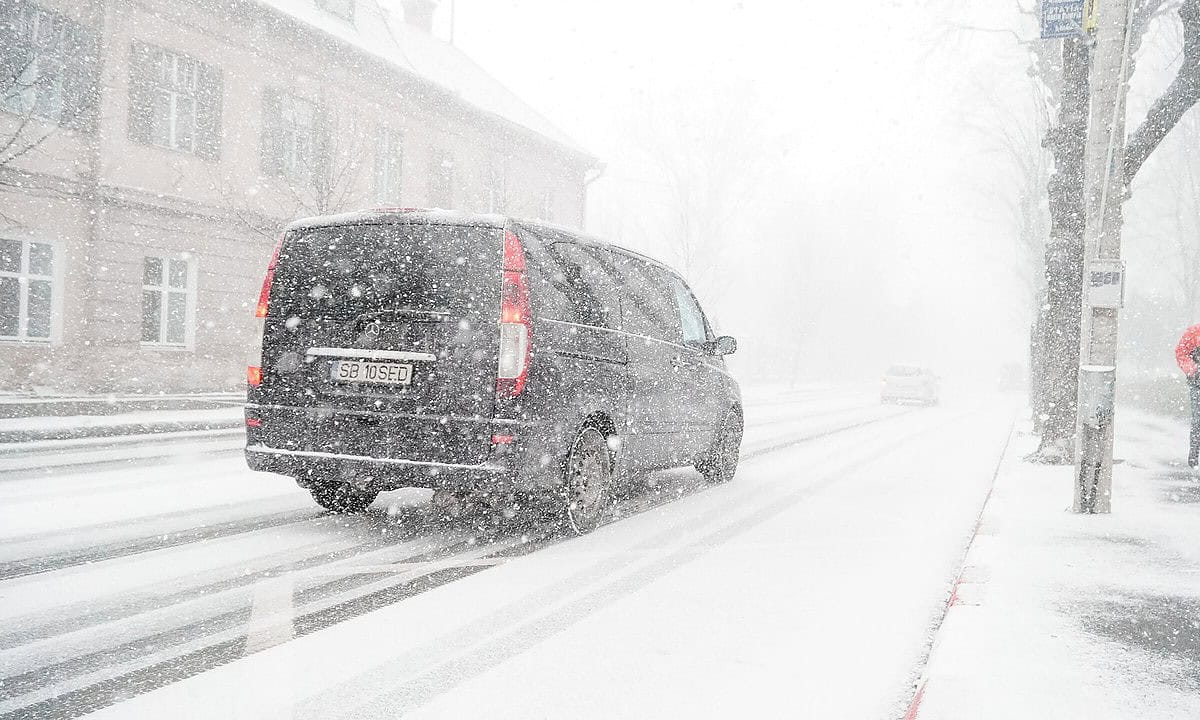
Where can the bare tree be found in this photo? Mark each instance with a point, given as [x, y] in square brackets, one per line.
[1064, 81]
[26, 122]
[1013, 136]
[17, 82]
[1175, 216]
[1057, 337]
[1180, 95]
[708, 153]
[326, 180]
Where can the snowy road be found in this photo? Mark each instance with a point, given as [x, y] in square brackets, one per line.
[194, 588]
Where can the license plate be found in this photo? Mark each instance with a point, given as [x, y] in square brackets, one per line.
[363, 371]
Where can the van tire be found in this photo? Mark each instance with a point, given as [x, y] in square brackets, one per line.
[720, 461]
[342, 497]
[587, 481]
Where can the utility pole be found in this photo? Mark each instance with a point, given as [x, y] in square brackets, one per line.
[1103, 271]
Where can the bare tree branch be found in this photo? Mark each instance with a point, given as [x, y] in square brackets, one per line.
[328, 183]
[1173, 104]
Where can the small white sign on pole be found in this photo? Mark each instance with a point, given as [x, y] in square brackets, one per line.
[1106, 283]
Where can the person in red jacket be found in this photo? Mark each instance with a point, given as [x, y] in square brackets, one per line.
[1187, 354]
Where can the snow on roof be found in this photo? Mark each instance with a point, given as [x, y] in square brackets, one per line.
[378, 32]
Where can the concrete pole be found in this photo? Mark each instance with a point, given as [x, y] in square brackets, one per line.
[1104, 195]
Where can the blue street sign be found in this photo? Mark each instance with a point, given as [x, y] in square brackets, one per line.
[1062, 18]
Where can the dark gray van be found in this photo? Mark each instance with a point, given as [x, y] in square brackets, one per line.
[482, 357]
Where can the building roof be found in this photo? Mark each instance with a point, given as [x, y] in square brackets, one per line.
[379, 33]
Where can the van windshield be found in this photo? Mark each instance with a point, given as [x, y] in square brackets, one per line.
[343, 272]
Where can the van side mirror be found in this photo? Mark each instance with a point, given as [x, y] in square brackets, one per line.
[723, 345]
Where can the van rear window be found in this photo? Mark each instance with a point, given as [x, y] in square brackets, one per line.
[345, 271]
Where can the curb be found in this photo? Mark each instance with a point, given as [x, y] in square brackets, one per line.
[116, 432]
[33, 406]
[914, 707]
[52, 455]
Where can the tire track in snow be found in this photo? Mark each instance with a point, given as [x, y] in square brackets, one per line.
[218, 651]
[233, 623]
[21, 566]
[320, 607]
[163, 595]
[92, 554]
[469, 657]
[58, 561]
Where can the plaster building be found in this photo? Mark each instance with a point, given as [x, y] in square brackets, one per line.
[150, 150]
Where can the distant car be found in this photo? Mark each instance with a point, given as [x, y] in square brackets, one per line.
[481, 356]
[909, 383]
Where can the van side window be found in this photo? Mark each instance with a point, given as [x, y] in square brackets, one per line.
[545, 278]
[578, 272]
[647, 305]
[691, 317]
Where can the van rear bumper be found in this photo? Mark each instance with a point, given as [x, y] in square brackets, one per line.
[518, 465]
[254, 450]
[311, 466]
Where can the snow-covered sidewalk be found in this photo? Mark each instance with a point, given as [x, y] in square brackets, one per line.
[1060, 615]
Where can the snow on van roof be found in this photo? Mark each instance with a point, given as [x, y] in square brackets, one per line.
[378, 32]
[400, 216]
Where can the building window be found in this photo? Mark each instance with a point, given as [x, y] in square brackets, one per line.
[48, 66]
[174, 101]
[167, 301]
[341, 8]
[26, 289]
[546, 209]
[441, 180]
[496, 179]
[293, 136]
[389, 161]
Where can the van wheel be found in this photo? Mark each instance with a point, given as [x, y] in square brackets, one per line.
[342, 497]
[720, 461]
[588, 481]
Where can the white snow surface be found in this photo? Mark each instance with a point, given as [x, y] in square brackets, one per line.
[414, 51]
[807, 586]
[1079, 616]
[215, 416]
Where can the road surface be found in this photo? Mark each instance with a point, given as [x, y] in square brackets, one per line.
[810, 585]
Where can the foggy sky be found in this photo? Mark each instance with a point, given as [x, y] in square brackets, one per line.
[903, 254]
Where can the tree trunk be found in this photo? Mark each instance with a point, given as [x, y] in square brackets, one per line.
[1056, 342]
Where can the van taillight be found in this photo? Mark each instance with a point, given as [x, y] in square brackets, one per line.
[261, 310]
[516, 326]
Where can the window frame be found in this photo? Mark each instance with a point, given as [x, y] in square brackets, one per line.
[292, 150]
[171, 112]
[590, 293]
[61, 66]
[641, 276]
[496, 185]
[389, 161]
[23, 277]
[174, 91]
[683, 294]
[441, 179]
[164, 288]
